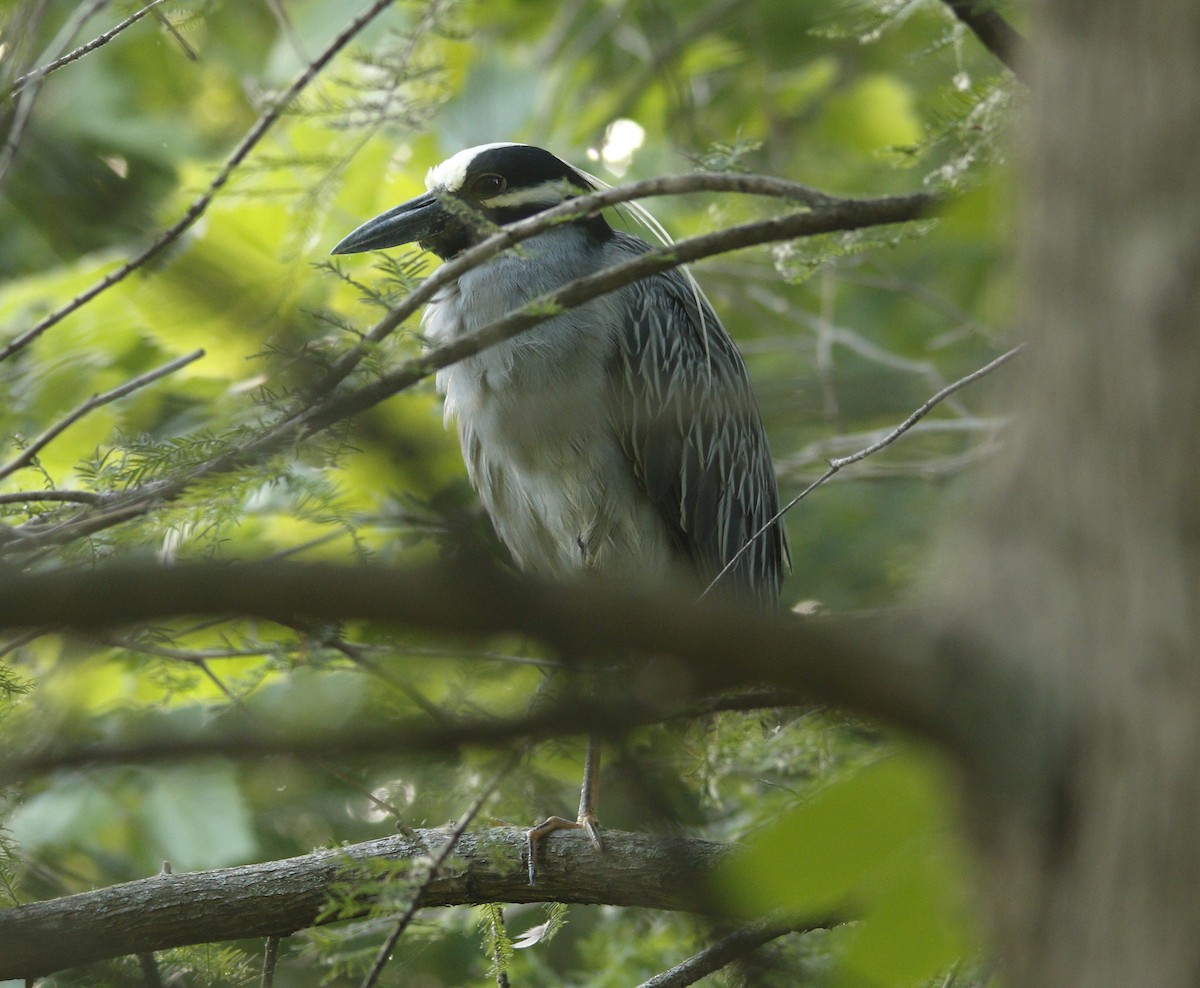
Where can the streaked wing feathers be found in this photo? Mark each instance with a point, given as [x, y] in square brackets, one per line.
[687, 419]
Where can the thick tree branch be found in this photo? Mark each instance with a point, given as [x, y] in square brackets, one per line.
[280, 897]
[884, 667]
[993, 31]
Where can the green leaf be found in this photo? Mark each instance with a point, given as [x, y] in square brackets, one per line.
[198, 817]
[874, 847]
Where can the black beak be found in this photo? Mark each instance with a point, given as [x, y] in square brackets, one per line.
[419, 220]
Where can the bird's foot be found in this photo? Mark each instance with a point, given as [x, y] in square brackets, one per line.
[587, 823]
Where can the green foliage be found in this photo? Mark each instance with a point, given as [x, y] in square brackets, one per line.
[873, 844]
[844, 335]
[208, 965]
[496, 943]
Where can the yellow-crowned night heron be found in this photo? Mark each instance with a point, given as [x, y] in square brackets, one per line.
[621, 436]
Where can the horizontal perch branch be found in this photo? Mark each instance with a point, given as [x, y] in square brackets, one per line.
[281, 897]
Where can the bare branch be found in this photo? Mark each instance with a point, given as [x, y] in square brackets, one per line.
[725, 951]
[287, 28]
[270, 960]
[926, 408]
[663, 56]
[188, 51]
[96, 42]
[995, 33]
[26, 98]
[21, 640]
[279, 897]
[886, 666]
[147, 743]
[875, 447]
[30, 452]
[198, 207]
[75, 497]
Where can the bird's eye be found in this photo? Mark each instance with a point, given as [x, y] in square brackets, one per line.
[487, 186]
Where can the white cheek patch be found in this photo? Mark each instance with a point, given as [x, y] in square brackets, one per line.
[451, 173]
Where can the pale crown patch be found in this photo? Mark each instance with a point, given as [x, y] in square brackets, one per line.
[451, 173]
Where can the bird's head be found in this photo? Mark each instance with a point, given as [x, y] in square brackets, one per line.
[470, 192]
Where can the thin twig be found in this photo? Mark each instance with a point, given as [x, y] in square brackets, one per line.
[875, 447]
[26, 98]
[270, 960]
[328, 767]
[193, 656]
[30, 452]
[701, 25]
[188, 51]
[96, 42]
[385, 952]
[927, 407]
[200, 204]
[287, 28]
[379, 116]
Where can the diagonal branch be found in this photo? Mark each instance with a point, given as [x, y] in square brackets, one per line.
[577, 208]
[432, 873]
[25, 97]
[325, 408]
[829, 217]
[994, 32]
[30, 452]
[836, 465]
[724, 952]
[201, 204]
[78, 53]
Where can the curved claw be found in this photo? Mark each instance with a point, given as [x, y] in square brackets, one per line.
[534, 836]
[591, 826]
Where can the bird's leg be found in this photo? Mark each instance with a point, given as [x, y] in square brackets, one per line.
[589, 796]
[589, 792]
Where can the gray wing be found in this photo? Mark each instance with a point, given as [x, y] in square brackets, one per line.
[688, 422]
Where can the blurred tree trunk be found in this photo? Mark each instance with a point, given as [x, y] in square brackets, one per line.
[1084, 567]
